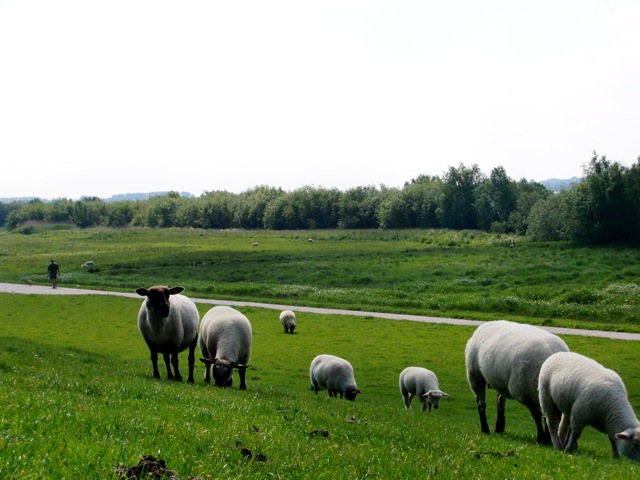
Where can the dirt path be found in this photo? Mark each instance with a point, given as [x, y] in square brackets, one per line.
[40, 290]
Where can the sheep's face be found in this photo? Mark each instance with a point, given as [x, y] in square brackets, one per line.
[628, 443]
[350, 393]
[222, 373]
[158, 298]
[433, 398]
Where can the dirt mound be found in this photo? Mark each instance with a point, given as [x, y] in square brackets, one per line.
[149, 468]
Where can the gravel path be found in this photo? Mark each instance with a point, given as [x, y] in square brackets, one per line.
[40, 290]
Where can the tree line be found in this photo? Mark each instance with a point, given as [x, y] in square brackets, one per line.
[603, 207]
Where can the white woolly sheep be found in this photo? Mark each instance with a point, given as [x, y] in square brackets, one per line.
[576, 391]
[422, 383]
[168, 323]
[225, 344]
[310, 240]
[255, 244]
[288, 321]
[507, 357]
[90, 263]
[335, 374]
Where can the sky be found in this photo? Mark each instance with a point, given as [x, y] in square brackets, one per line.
[99, 98]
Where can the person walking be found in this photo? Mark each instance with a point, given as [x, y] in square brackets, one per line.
[54, 271]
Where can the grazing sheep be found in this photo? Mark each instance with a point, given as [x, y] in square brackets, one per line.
[225, 344]
[310, 240]
[422, 383]
[255, 244]
[28, 281]
[576, 391]
[168, 323]
[507, 357]
[87, 264]
[335, 374]
[288, 321]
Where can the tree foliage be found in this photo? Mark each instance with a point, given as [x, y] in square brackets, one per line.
[603, 207]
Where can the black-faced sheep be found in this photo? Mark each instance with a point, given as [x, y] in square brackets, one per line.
[288, 321]
[168, 323]
[335, 374]
[225, 344]
[576, 391]
[507, 357]
[422, 383]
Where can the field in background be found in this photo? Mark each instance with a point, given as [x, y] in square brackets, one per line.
[461, 274]
[78, 399]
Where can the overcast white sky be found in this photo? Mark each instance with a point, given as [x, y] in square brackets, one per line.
[108, 97]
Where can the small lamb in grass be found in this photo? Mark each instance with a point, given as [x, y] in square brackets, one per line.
[335, 374]
[288, 321]
[422, 383]
[576, 391]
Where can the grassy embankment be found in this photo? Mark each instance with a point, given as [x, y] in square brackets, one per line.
[78, 398]
[433, 272]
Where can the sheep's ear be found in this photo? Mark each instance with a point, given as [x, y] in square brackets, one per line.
[143, 292]
[176, 290]
[208, 361]
[629, 434]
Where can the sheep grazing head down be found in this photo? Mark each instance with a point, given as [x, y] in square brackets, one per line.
[158, 298]
[433, 398]
[222, 370]
[350, 394]
[628, 443]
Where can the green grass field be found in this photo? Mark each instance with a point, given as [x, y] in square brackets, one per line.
[77, 399]
[462, 274]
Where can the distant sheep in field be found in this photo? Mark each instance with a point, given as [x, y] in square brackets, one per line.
[422, 383]
[335, 374]
[255, 244]
[507, 357]
[310, 240]
[168, 323]
[288, 321]
[576, 391]
[28, 281]
[225, 344]
[87, 264]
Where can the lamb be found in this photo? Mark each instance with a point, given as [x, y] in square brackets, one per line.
[422, 383]
[507, 357]
[335, 374]
[225, 344]
[288, 321]
[576, 391]
[168, 323]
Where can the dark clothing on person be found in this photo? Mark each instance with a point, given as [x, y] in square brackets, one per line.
[53, 270]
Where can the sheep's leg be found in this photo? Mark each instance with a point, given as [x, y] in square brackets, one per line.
[167, 362]
[555, 428]
[543, 435]
[207, 373]
[614, 447]
[500, 422]
[482, 410]
[243, 373]
[423, 401]
[407, 397]
[563, 430]
[174, 362]
[154, 362]
[572, 441]
[192, 358]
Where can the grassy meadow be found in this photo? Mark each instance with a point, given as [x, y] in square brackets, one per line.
[462, 274]
[78, 400]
